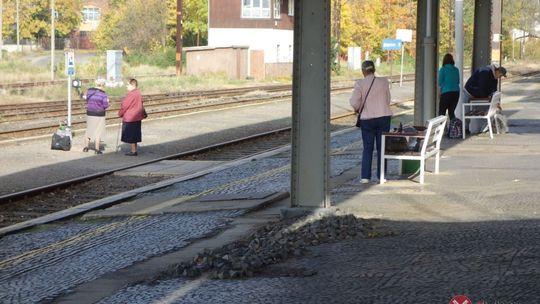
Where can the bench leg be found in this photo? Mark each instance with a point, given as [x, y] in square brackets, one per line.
[490, 128]
[437, 156]
[497, 127]
[463, 126]
[381, 177]
[422, 170]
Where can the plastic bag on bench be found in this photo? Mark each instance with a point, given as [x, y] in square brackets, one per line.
[396, 144]
[477, 125]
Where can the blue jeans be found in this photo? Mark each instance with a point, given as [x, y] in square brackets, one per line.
[372, 132]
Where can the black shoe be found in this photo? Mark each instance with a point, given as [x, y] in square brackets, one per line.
[98, 152]
[131, 154]
[85, 149]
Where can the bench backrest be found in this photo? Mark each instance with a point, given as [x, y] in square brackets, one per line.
[434, 133]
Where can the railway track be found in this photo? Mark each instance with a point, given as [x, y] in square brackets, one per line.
[26, 121]
[43, 118]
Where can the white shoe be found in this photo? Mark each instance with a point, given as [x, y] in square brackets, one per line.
[364, 181]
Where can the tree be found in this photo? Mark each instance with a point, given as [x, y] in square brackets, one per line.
[139, 25]
[35, 18]
[148, 25]
[195, 21]
[518, 15]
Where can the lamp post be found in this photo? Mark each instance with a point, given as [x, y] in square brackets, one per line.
[52, 40]
[1, 27]
[17, 17]
[513, 48]
[179, 29]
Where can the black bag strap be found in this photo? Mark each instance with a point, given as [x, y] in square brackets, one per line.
[365, 99]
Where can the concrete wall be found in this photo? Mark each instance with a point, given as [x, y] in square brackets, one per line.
[279, 69]
[276, 44]
[11, 48]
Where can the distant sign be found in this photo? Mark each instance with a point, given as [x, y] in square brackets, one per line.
[391, 44]
[70, 63]
[404, 35]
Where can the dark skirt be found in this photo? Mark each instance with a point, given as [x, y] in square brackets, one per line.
[131, 132]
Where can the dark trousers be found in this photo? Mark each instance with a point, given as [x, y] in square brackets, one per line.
[449, 101]
[372, 134]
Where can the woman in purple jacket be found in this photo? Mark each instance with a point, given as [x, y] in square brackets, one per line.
[97, 103]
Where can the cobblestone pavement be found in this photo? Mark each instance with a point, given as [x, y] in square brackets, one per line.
[425, 263]
[36, 266]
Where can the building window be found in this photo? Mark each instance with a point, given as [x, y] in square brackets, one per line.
[255, 8]
[291, 7]
[83, 34]
[91, 14]
[277, 9]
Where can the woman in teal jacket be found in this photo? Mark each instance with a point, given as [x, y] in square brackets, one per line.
[449, 87]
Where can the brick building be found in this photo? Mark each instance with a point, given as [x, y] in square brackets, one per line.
[92, 12]
[265, 25]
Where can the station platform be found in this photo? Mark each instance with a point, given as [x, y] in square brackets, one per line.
[472, 230]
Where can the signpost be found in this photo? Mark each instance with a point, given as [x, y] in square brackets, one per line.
[391, 45]
[70, 71]
[405, 36]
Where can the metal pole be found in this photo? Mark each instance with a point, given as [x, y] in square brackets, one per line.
[69, 101]
[18, 46]
[52, 40]
[1, 27]
[459, 39]
[118, 135]
[401, 73]
[513, 45]
[179, 28]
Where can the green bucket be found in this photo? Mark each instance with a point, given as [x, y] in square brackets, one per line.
[409, 166]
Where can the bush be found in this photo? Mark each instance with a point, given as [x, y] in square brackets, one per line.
[161, 58]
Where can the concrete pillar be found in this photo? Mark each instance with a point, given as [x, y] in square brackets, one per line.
[459, 30]
[310, 164]
[482, 34]
[426, 61]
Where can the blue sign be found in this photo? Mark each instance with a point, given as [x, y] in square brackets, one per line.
[391, 45]
[70, 62]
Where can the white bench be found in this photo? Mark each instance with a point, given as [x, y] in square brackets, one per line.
[482, 110]
[431, 143]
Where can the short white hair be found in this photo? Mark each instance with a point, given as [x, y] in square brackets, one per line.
[100, 82]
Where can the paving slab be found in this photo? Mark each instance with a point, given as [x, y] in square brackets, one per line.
[156, 204]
